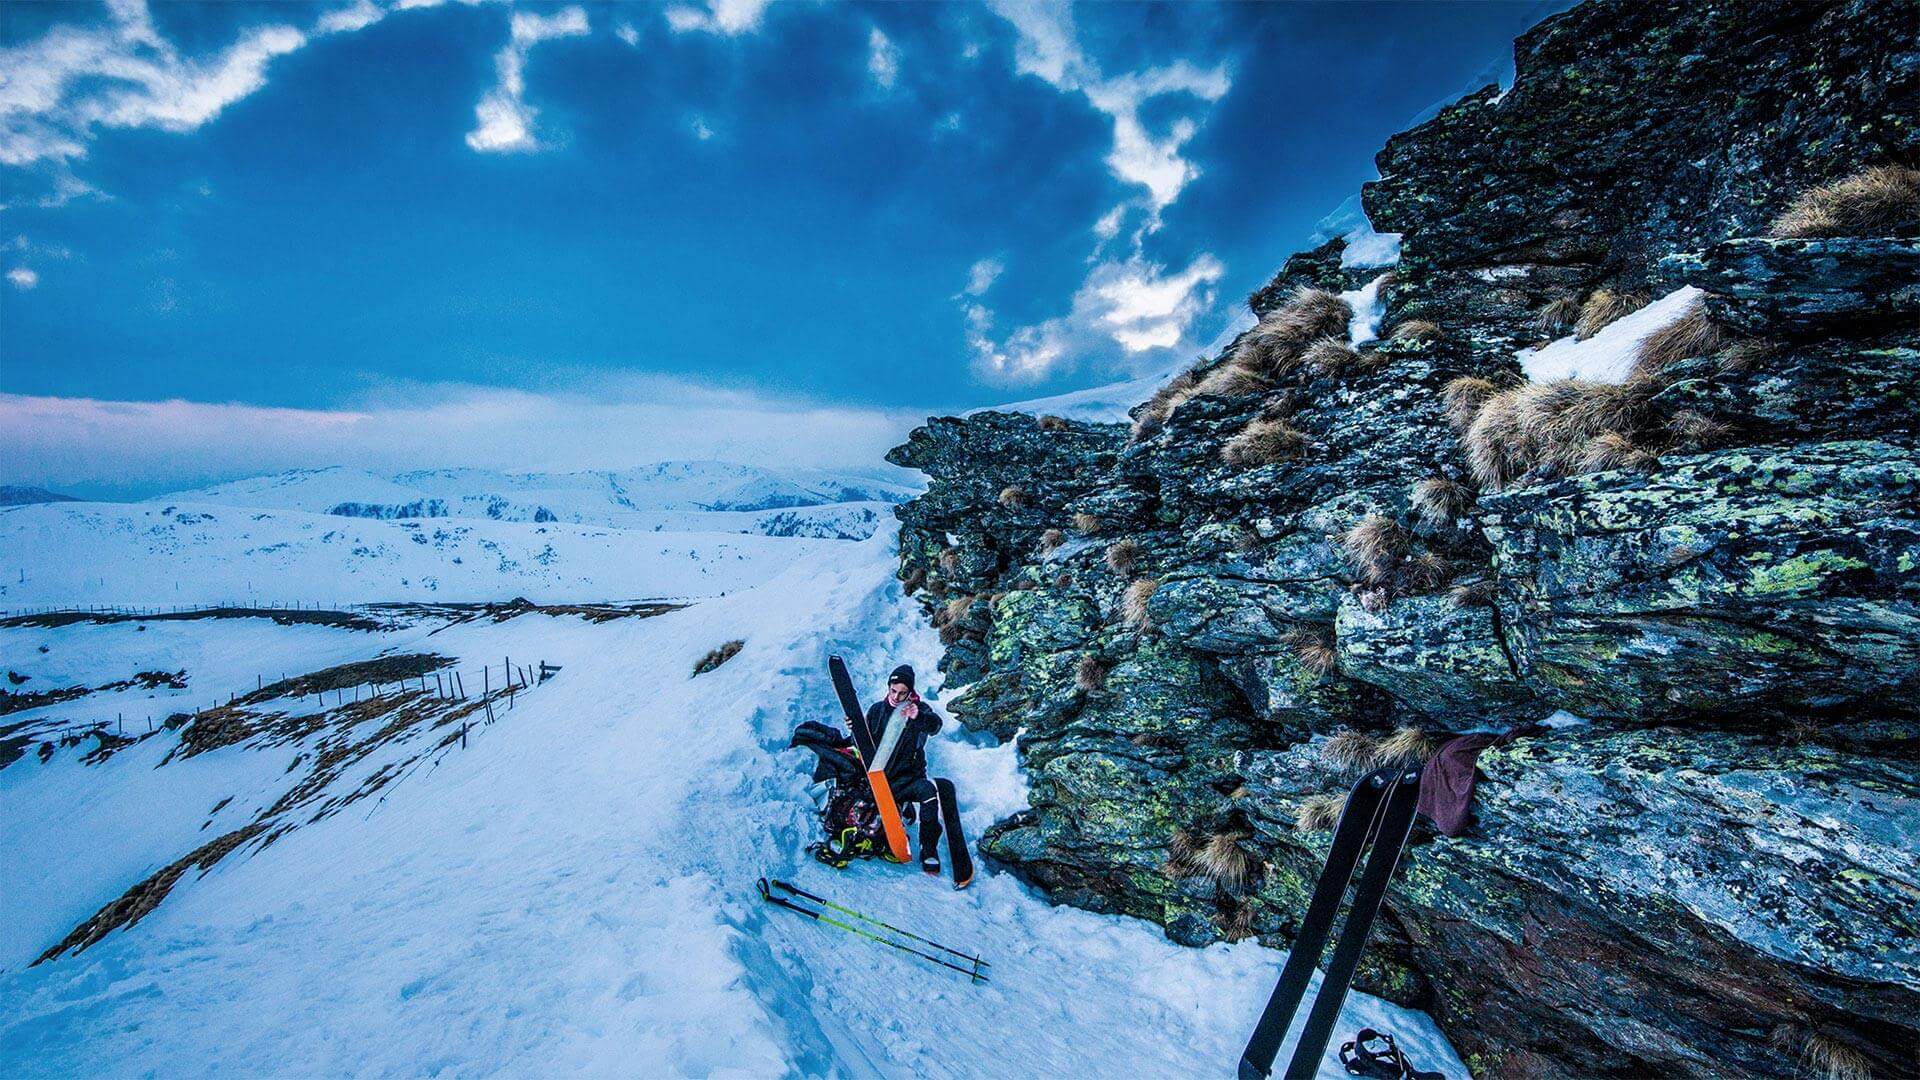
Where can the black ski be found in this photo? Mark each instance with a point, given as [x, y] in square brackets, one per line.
[1350, 837]
[850, 704]
[1358, 821]
[1396, 824]
[957, 855]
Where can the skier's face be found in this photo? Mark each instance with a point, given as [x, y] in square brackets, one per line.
[897, 692]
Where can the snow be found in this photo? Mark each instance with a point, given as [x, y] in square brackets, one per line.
[1368, 308]
[1608, 355]
[186, 553]
[572, 892]
[1110, 403]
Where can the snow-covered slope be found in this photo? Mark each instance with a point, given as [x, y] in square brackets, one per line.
[658, 496]
[572, 891]
[163, 554]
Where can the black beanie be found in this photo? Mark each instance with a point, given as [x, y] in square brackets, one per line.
[904, 674]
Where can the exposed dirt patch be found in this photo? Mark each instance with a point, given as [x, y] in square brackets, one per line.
[136, 903]
[380, 671]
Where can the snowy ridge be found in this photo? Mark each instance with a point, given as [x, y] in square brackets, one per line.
[572, 893]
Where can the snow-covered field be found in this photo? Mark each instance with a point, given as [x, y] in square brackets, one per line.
[572, 891]
[82, 553]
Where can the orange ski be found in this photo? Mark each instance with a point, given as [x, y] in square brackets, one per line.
[883, 793]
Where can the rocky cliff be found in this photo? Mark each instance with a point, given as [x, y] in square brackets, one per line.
[1701, 565]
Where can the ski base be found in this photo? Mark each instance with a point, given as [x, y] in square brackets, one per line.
[957, 855]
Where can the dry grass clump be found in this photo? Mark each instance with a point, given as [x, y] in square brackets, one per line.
[1463, 398]
[1476, 593]
[1441, 501]
[956, 610]
[1558, 317]
[949, 559]
[1333, 356]
[951, 633]
[1557, 428]
[1091, 674]
[1013, 497]
[1313, 648]
[1134, 608]
[1086, 524]
[1052, 540]
[1265, 441]
[1232, 379]
[1349, 750]
[1604, 306]
[1277, 343]
[1824, 1055]
[1407, 746]
[1318, 813]
[1428, 571]
[1154, 414]
[718, 656]
[1053, 423]
[1417, 330]
[1375, 545]
[1881, 201]
[1690, 429]
[1692, 334]
[915, 578]
[1122, 555]
[1216, 855]
[1236, 921]
[1747, 354]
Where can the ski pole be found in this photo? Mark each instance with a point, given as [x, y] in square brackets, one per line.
[884, 926]
[817, 916]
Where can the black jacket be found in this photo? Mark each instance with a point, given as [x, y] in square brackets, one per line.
[910, 757]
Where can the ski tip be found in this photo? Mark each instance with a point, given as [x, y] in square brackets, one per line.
[1250, 1071]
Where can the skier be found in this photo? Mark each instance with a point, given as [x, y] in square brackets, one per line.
[907, 770]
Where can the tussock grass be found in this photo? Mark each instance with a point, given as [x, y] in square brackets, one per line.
[1086, 524]
[718, 656]
[1748, 354]
[949, 559]
[1236, 921]
[1349, 750]
[1406, 746]
[1319, 813]
[1823, 1054]
[1417, 330]
[1429, 571]
[1881, 201]
[1556, 428]
[950, 633]
[912, 583]
[1692, 334]
[1013, 497]
[1164, 400]
[1052, 540]
[1333, 356]
[1122, 555]
[1558, 317]
[1603, 307]
[1090, 674]
[1134, 607]
[956, 609]
[1463, 397]
[1689, 429]
[1439, 501]
[1264, 441]
[1215, 855]
[1375, 545]
[1476, 593]
[1277, 343]
[1313, 648]
[1612, 450]
[1233, 379]
[1053, 423]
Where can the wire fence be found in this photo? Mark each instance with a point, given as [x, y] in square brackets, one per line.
[136, 611]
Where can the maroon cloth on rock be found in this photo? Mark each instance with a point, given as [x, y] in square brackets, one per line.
[1446, 784]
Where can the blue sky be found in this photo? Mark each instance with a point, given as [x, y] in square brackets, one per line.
[285, 218]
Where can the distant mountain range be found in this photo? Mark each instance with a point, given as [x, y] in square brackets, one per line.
[25, 495]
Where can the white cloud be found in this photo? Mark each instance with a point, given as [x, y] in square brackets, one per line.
[621, 422]
[627, 32]
[982, 274]
[697, 123]
[1134, 304]
[22, 278]
[883, 59]
[355, 16]
[505, 120]
[727, 17]
[1131, 303]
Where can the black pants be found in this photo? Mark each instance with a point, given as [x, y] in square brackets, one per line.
[920, 794]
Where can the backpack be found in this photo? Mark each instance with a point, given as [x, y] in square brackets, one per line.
[850, 819]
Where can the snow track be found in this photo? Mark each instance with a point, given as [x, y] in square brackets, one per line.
[573, 893]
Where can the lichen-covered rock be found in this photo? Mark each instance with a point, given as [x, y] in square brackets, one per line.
[1733, 583]
[1762, 285]
[1441, 657]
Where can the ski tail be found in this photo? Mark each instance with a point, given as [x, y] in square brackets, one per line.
[957, 854]
[766, 893]
[1396, 824]
[890, 823]
[1358, 821]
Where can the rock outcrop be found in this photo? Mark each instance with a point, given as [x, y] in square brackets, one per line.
[1301, 558]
